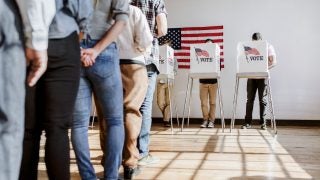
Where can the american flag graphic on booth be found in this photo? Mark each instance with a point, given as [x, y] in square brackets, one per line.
[201, 52]
[253, 51]
[181, 38]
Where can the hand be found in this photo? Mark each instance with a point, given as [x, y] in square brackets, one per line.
[88, 56]
[37, 60]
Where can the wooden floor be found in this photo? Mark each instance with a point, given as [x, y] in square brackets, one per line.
[211, 154]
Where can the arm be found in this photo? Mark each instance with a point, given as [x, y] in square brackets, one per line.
[161, 18]
[272, 60]
[162, 24]
[120, 11]
[89, 55]
[37, 16]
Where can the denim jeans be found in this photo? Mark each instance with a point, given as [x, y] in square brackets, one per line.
[146, 111]
[12, 90]
[104, 80]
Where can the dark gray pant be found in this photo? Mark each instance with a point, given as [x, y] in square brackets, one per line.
[252, 86]
[12, 90]
[49, 107]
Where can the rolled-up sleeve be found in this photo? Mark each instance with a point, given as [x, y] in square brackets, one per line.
[160, 7]
[37, 16]
[120, 10]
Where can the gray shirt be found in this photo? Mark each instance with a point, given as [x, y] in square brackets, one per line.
[104, 15]
[70, 17]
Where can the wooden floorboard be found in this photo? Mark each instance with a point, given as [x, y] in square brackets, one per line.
[203, 154]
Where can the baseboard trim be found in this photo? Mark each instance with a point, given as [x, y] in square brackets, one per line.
[281, 122]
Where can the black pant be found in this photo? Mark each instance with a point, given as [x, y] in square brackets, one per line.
[252, 86]
[49, 107]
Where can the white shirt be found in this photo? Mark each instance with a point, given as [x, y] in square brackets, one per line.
[136, 37]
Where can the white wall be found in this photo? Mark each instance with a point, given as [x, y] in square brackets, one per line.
[291, 26]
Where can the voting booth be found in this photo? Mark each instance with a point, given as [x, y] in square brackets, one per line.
[252, 62]
[252, 57]
[166, 68]
[204, 64]
[166, 61]
[204, 58]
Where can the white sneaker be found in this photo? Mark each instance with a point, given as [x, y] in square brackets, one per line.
[147, 160]
[210, 124]
[204, 124]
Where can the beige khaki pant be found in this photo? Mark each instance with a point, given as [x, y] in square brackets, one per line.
[135, 84]
[163, 99]
[208, 91]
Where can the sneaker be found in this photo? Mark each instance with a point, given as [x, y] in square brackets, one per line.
[210, 124]
[246, 126]
[263, 127]
[147, 160]
[166, 124]
[204, 124]
[128, 173]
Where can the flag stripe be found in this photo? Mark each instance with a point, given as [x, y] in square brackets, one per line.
[182, 38]
[201, 28]
[199, 41]
[202, 35]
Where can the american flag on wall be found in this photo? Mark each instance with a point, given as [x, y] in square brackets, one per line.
[182, 38]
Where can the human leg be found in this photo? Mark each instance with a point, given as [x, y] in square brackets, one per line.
[135, 83]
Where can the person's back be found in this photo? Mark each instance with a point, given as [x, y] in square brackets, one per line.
[156, 14]
[50, 104]
[135, 39]
[100, 75]
[133, 42]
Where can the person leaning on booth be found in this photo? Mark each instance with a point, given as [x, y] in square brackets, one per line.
[208, 90]
[258, 84]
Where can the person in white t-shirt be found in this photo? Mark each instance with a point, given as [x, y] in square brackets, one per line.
[258, 84]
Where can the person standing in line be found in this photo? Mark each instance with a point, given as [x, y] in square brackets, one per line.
[50, 104]
[258, 84]
[208, 91]
[17, 48]
[133, 43]
[156, 15]
[100, 75]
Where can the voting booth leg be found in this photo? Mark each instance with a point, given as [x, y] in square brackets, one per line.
[185, 103]
[221, 106]
[235, 98]
[273, 118]
[170, 104]
[176, 110]
[190, 98]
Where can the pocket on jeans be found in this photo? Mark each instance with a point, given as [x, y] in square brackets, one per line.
[104, 66]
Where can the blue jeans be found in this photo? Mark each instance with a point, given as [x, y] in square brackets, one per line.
[146, 111]
[104, 80]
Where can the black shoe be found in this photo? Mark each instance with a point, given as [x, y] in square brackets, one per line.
[102, 160]
[166, 124]
[263, 126]
[246, 126]
[130, 172]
